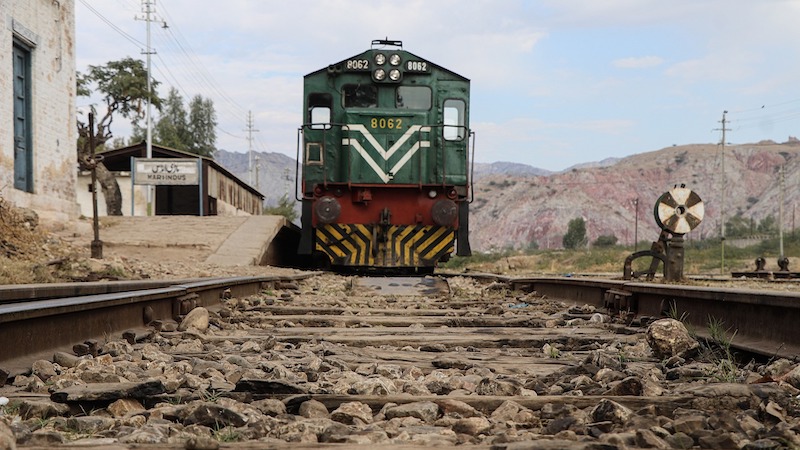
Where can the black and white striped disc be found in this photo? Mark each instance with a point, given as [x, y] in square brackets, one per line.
[679, 211]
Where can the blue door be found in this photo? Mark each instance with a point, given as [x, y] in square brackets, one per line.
[23, 158]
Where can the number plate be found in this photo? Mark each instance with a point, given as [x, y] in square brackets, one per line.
[418, 66]
[357, 65]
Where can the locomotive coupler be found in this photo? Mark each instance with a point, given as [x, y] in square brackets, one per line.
[380, 232]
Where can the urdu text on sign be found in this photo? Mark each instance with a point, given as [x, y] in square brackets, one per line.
[166, 171]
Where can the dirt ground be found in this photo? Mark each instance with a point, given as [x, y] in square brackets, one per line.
[162, 247]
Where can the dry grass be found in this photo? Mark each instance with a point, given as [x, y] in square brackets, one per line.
[29, 254]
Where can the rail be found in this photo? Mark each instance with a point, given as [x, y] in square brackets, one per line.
[763, 322]
[42, 318]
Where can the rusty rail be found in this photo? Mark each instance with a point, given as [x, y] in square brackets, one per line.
[763, 322]
[73, 313]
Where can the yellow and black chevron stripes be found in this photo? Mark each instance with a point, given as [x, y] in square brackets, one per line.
[392, 246]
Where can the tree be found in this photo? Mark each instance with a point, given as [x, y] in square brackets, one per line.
[123, 87]
[738, 226]
[768, 225]
[172, 128]
[576, 234]
[197, 134]
[606, 240]
[202, 126]
[285, 208]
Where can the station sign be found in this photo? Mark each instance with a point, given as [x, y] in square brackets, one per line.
[166, 171]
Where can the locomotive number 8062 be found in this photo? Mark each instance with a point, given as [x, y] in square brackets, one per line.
[386, 154]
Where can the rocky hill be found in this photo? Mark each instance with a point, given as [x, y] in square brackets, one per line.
[274, 176]
[517, 206]
[518, 211]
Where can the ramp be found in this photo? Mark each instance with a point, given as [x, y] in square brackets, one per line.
[247, 245]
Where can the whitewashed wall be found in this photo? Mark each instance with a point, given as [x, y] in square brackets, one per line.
[48, 27]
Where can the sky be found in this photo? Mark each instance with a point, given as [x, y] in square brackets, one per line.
[554, 83]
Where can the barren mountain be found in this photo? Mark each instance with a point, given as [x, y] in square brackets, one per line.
[517, 211]
[517, 205]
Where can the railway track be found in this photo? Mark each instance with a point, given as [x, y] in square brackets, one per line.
[324, 361]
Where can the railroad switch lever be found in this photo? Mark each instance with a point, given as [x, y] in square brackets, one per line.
[91, 161]
[676, 212]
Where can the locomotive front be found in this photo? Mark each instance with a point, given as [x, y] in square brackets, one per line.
[386, 161]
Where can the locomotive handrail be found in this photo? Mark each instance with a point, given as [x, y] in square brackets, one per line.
[297, 167]
[471, 168]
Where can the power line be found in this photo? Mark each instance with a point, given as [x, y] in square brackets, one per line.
[111, 24]
[200, 69]
[174, 41]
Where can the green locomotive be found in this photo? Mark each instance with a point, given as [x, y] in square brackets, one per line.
[386, 166]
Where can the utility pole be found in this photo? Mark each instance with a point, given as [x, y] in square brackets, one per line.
[149, 9]
[780, 212]
[636, 226]
[250, 131]
[722, 196]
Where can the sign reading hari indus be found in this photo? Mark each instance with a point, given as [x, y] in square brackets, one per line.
[166, 171]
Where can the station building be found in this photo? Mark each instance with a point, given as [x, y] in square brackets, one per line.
[37, 106]
[217, 191]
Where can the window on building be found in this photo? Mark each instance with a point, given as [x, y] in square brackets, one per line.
[23, 151]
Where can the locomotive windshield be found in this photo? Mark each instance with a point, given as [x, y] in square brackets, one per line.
[360, 96]
[414, 97]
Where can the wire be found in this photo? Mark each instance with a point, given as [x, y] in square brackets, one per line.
[770, 114]
[199, 69]
[111, 24]
[175, 42]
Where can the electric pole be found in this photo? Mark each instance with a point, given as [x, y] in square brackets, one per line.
[149, 9]
[722, 196]
[780, 213]
[250, 131]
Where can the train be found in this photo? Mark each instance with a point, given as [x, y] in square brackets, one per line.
[387, 155]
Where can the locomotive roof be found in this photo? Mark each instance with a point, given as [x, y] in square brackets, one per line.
[405, 54]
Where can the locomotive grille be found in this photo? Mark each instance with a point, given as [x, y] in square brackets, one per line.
[399, 246]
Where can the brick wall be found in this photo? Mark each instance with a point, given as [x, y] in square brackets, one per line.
[47, 27]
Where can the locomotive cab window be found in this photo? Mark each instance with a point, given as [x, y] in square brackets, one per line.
[360, 96]
[319, 111]
[454, 116]
[414, 97]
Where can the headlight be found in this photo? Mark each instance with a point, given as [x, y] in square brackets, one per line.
[394, 59]
[380, 74]
[380, 59]
[394, 74]
[327, 209]
[444, 213]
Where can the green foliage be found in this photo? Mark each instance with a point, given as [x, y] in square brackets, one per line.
[122, 86]
[576, 234]
[172, 128]
[227, 434]
[606, 240]
[719, 352]
[768, 225]
[739, 226]
[202, 126]
[195, 133]
[284, 208]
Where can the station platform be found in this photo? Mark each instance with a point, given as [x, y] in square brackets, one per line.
[215, 240]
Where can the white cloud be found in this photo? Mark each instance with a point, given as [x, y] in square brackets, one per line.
[642, 62]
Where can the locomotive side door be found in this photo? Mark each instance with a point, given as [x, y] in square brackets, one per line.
[453, 134]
